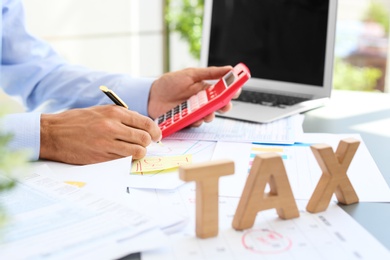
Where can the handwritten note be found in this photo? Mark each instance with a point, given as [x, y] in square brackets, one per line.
[152, 164]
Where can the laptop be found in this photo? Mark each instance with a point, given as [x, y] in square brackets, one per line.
[288, 46]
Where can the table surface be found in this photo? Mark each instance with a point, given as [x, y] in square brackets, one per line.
[367, 114]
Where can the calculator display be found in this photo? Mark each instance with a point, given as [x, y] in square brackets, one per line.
[229, 79]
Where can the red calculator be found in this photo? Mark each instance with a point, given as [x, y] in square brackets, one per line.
[204, 102]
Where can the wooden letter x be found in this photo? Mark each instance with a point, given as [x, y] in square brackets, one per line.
[266, 168]
[206, 176]
[334, 177]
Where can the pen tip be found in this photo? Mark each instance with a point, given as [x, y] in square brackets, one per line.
[103, 88]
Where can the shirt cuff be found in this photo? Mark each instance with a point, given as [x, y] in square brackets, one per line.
[25, 131]
[135, 93]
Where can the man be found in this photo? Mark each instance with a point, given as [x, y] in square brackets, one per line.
[68, 119]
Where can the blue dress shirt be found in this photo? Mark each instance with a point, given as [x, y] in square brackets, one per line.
[35, 74]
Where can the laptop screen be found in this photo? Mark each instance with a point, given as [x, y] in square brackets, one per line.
[288, 41]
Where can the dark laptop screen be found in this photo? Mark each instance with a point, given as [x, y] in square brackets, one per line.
[282, 40]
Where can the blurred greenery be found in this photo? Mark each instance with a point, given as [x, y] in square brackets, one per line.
[10, 163]
[377, 12]
[349, 77]
[186, 18]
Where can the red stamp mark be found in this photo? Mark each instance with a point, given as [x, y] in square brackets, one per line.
[264, 241]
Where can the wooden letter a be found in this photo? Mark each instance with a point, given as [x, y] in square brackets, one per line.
[334, 177]
[266, 168]
[206, 176]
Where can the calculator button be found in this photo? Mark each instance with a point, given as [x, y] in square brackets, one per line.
[161, 119]
[168, 114]
[202, 97]
[193, 103]
[184, 112]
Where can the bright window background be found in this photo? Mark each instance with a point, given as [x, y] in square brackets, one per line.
[362, 45]
[128, 36]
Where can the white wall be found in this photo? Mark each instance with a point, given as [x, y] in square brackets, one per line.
[112, 35]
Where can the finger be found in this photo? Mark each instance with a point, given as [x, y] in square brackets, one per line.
[145, 124]
[209, 118]
[125, 149]
[209, 73]
[133, 136]
[115, 140]
[237, 94]
[226, 108]
[206, 119]
[197, 123]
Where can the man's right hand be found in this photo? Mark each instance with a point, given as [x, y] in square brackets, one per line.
[96, 134]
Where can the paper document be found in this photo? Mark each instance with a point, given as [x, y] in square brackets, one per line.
[283, 131]
[50, 219]
[117, 173]
[110, 180]
[332, 234]
[302, 168]
[156, 164]
[200, 151]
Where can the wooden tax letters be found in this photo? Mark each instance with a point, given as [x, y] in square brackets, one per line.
[206, 176]
[334, 177]
[268, 168]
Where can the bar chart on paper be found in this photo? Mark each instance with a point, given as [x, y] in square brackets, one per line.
[299, 163]
[295, 157]
[256, 148]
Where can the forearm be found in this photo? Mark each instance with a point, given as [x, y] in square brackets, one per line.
[71, 87]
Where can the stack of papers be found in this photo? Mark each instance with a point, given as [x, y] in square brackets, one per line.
[50, 219]
[282, 131]
[332, 234]
[154, 211]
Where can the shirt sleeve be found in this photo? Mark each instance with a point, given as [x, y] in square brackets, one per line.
[25, 131]
[33, 73]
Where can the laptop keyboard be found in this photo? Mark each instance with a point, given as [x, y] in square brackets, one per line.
[268, 99]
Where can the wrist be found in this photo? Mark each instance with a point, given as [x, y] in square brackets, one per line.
[151, 102]
[47, 144]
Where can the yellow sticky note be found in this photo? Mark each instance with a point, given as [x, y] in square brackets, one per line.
[158, 163]
[76, 183]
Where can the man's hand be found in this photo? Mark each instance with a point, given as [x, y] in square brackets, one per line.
[173, 88]
[96, 134]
